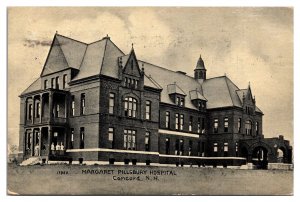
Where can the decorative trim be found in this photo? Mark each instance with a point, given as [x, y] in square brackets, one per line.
[170, 132]
[111, 150]
[200, 157]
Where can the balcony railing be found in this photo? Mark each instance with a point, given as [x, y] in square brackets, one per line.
[47, 120]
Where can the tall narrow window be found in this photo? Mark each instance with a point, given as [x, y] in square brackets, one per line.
[248, 127]
[177, 147]
[57, 82]
[216, 125]
[226, 124]
[236, 149]
[256, 128]
[225, 149]
[38, 111]
[57, 110]
[239, 125]
[46, 84]
[52, 82]
[65, 78]
[111, 103]
[181, 121]
[177, 121]
[130, 107]
[81, 146]
[73, 106]
[30, 111]
[181, 147]
[190, 147]
[167, 119]
[147, 141]
[167, 145]
[129, 139]
[181, 102]
[203, 126]
[82, 104]
[148, 110]
[178, 101]
[199, 126]
[111, 136]
[199, 149]
[136, 84]
[215, 149]
[72, 139]
[191, 124]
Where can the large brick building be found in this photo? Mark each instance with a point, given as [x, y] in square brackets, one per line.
[94, 103]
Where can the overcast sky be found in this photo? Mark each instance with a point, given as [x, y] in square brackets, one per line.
[248, 44]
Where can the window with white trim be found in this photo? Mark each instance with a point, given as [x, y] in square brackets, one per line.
[147, 141]
[129, 139]
[111, 103]
[130, 107]
[148, 110]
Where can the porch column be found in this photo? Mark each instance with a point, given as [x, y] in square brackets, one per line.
[41, 106]
[25, 111]
[65, 138]
[32, 141]
[33, 110]
[66, 106]
[51, 105]
[40, 142]
[49, 138]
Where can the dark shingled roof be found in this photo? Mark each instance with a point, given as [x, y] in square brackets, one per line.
[102, 57]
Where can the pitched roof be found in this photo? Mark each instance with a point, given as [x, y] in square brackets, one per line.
[195, 94]
[174, 88]
[36, 85]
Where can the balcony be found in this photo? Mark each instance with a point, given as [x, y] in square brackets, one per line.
[47, 121]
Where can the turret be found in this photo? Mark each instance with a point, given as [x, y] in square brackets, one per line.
[200, 71]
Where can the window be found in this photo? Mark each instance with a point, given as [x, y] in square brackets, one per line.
[199, 126]
[73, 106]
[191, 124]
[30, 111]
[81, 146]
[167, 119]
[38, 111]
[28, 140]
[237, 149]
[130, 106]
[239, 125]
[57, 110]
[72, 139]
[199, 149]
[181, 121]
[215, 148]
[190, 147]
[177, 121]
[148, 110]
[203, 149]
[178, 101]
[216, 125]
[147, 141]
[57, 82]
[181, 147]
[203, 126]
[181, 102]
[111, 103]
[248, 127]
[111, 136]
[65, 78]
[46, 84]
[256, 128]
[167, 145]
[52, 82]
[136, 84]
[177, 147]
[129, 139]
[226, 124]
[225, 149]
[82, 104]
[131, 83]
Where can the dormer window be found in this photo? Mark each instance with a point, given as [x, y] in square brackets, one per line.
[131, 83]
[180, 101]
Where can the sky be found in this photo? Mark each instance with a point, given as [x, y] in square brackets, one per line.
[247, 44]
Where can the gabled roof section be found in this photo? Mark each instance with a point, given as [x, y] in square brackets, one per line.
[73, 50]
[241, 93]
[196, 95]
[131, 65]
[64, 53]
[36, 85]
[150, 82]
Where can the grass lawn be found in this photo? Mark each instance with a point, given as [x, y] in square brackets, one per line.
[141, 180]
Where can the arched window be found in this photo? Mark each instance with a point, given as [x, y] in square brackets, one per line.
[248, 127]
[130, 107]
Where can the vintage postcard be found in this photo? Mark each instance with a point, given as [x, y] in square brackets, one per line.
[150, 101]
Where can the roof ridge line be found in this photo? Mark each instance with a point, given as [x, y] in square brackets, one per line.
[96, 41]
[72, 39]
[30, 85]
[229, 90]
[103, 57]
[116, 46]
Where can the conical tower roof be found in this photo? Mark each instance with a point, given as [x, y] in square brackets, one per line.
[200, 63]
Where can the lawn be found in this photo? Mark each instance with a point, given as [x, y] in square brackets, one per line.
[142, 180]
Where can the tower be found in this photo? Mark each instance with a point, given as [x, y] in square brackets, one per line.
[200, 71]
